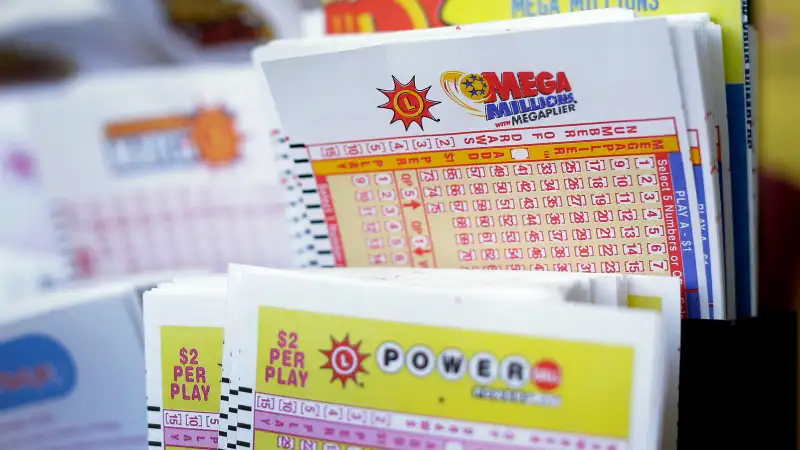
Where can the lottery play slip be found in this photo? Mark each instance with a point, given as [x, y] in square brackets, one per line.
[400, 359]
[161, 170]
[738, 82]
[457, 150]
[69, 381]
[183, 351]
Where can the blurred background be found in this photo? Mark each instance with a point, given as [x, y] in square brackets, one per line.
[107, 108]
[778, 73]
[86, 54]
[78, 81]
[134, 138]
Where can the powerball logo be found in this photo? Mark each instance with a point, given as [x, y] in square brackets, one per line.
[206, 137]
[510, 98]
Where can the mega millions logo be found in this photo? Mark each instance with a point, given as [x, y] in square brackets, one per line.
[511, 98]
[207, 137]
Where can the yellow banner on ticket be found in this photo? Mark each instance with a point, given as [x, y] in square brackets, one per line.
[545, 384]
[542, 152]
[190, 369]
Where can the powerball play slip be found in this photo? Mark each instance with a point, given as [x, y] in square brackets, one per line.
[319, 370]
[465, 153]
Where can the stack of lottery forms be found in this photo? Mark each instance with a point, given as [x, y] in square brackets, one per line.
[412, 359]
[597, 152]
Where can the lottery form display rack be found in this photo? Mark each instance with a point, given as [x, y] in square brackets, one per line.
[709, 415]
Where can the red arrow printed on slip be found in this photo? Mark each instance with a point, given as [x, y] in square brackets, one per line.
[414, 204]
[420, 251]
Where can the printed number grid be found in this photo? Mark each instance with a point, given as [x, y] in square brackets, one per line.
[139, 232]
[308, 423]
[584, 215]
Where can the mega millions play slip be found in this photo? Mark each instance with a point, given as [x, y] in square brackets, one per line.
[584, 153]
[739, 78]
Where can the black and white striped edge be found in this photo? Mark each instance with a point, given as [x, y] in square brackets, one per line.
[245, 400]
[293, 203]
[304, 208]
[748, 86]
[223, 414]
[155, 433]
[233, 412]
[318, 250]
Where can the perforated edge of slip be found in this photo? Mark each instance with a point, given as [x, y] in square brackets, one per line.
[245, 400]
[306, 215]
[155, 431]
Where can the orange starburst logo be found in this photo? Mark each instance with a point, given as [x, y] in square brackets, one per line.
[409, 104]
[213, 132]
[344, 360]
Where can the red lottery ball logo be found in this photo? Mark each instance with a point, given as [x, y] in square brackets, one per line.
[546, 375]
